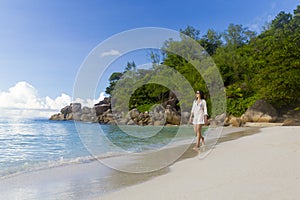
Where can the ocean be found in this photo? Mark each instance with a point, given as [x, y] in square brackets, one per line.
[33, 144]
[43, 159]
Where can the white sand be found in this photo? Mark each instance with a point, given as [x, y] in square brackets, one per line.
[260, 166]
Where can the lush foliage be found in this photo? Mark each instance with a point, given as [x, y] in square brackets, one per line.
[276, 59]
[264, 66]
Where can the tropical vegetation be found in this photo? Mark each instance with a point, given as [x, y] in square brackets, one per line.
[253, 66]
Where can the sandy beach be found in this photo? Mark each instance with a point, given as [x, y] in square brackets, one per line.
[246, 163]
[258, 166]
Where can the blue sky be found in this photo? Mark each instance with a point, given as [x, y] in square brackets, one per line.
[43, 43]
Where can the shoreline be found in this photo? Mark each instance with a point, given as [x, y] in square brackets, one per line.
[239, 167]
[228, 134]
[87, 178]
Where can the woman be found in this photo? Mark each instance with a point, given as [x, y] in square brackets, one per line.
[199, 111]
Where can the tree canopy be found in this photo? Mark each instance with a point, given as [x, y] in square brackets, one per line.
[253, 66]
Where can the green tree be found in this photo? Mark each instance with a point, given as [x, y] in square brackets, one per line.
[277, 52]
[264, 66]
[237, 35]
[281, 20]
[131, 66]
[211, 41]
[231, 58]
[191, 32]
[112, 82]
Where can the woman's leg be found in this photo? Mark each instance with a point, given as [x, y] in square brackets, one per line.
[195, 129]
[198, 131]
[203, 143]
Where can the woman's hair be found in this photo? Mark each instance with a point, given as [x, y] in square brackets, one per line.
[201, 94]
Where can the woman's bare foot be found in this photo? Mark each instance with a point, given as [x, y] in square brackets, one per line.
[195, 148]
[202, 138]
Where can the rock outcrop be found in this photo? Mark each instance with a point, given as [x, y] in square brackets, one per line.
[260, 111]
[103, 106]
[172, 116]
[263, 112]
[75, 112]
[291, 117]
[219, 120]
[162, 114]
[236, 121]
[168, 113]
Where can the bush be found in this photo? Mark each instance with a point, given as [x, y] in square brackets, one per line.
[145, 107]
[238, 106]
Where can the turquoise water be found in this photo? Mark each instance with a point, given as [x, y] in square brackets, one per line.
[31, 144]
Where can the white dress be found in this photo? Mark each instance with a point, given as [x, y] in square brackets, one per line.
[199, 110]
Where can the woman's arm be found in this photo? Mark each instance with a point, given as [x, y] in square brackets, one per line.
[205, 112]
[192, 112]
[191, 117]
[205, 107]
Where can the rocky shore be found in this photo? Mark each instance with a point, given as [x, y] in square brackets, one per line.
[264, 113]
[163, 114]
[168, 113]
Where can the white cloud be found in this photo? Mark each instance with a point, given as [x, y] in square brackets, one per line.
[22, 94]
[112, 52]
[264, 19]
[58, 102]
[91, 102]
[22, 100]
[259, 22]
